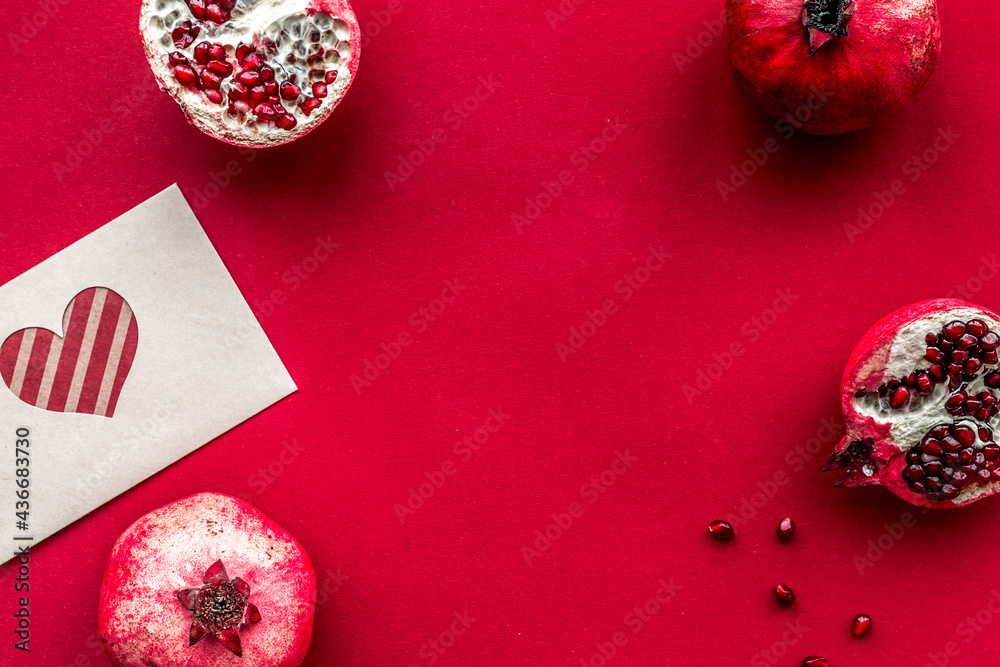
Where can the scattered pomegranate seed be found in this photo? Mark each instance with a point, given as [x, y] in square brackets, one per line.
[721, 530]
[286, 122]
[815, 661]
[289, 91]
[784, 594]
[900, 398]
[786, 528]
[319, 89]
[331, 76]
[309, 105]
[861, 625]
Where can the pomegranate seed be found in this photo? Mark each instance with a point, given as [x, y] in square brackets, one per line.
[217, 52]
[256, 95]
[861, 625]
[266, 74]
[931, 339]
[201, 53]
[937, 373]
[331, 76]
[950, 492]
[918, 487]
[210, 79]
[966, 456]
[319, 89]
[924, 385]
[265, 111]
[972, 366]
[955, 402]
[271, 87]
[972, 404]
[185, 75]
[953, 330]
[899, 399]
[177, 58]
[274, 101]
[950, 459]
[252, 61]
[991, 357]
[966, 342]
[286, 122]
[221, 68]
[965, 435]
[989, 341]
[940, 431]
[786, 528]
[289, 91]
[197, 8]
[992, 380]
[216, 14]
[985, 433]
[214, 95]
[815, 661]
[784, 594]
[976, 327]
[946, 345]
[241, 107]
[238, 92]
[958, 357]
[914, 473]
[242, 51]
[983, 476]
[995, 475]
[721, 530]
[934, 355]
[933, 467]
[934, 448]
[309, 105]
[248, 78]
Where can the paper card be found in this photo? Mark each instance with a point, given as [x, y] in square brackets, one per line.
[120, 355]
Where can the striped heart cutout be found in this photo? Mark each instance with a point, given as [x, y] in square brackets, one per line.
[83, 371]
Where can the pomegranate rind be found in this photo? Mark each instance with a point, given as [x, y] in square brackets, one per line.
[140, 620]
[210, 118]
[857, 81]
[866, 369]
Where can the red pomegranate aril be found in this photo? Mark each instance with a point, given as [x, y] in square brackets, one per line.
[991, 358]
[956, 402]
[950, 492]
[210, 79]
[961, 476]
[924, 384]
[197, 8]
[934, 448]
[214, 95]
[983, 476]
[815, 661]
[221, 68]
[257, 95]
[949, 444]
[271, 87]
[991, 452]
[784, 594]
[786, 528]
[241, 107]
[972, 366]
[266, 74]
[914, 473]
[252, 61]
[238, 92]
[217, 52]
[177, 58]
[953, 330]
[309, 105]
[933, 467]
[992, 380]
[289, 91]
[937, 373]
[972, 404]
[934, 355]
[201, 53]
[248, 78]
[286, 122]
[983, 414]
[721, 530]
[242, 51]
[976, 327]
[965, 435]
[989, 341]
[899, 398]
[185, 75]
[861, 625]
[330, 77]
[958, 357]
[940, 431]
[265, 111]
[215, 13]
[966, 342]
[950, 459]
[319, 89]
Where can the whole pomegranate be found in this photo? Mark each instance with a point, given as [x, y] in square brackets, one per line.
[921, 395]
[209, 564]
[252, 72]
[832, 66]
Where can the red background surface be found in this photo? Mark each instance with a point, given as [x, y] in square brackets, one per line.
[392, 587]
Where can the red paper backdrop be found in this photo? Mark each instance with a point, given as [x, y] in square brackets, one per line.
[778, 243]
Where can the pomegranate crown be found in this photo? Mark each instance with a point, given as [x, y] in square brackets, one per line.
[221, 607]
[826, 21]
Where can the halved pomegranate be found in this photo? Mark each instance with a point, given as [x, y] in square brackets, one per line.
[252, 72]
[921, 394]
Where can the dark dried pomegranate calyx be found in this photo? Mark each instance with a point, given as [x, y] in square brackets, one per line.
[826, 21]
[221, 607]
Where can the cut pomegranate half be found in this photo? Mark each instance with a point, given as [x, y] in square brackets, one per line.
[252, 72]
[921, 395]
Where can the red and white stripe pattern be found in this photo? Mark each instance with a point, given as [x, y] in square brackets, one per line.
[85, 370]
